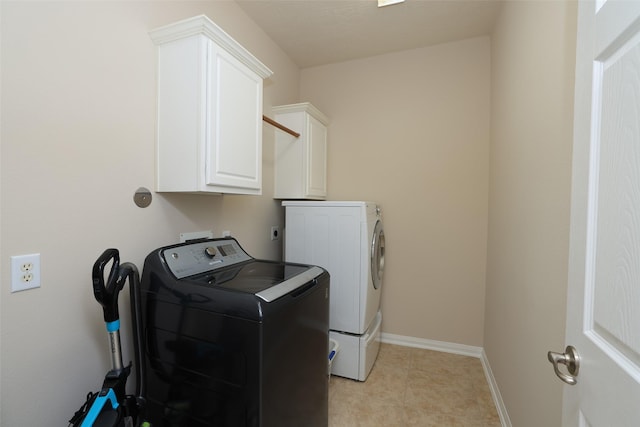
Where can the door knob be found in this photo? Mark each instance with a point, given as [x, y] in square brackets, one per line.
[571, 359]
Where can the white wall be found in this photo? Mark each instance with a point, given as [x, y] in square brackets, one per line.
[532, 66]
[77, 140]
[449, 139]
[410, 131]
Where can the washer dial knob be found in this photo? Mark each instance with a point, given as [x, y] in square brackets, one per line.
[210, 251]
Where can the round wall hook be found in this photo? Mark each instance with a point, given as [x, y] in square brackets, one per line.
[142, 197]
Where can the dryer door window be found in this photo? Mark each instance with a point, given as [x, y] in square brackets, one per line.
[377, 255]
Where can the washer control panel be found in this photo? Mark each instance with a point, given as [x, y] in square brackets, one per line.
[202, 256]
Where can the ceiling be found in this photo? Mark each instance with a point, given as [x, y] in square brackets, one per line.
[318, 32]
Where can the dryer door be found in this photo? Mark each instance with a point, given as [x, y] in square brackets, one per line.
[377, 255]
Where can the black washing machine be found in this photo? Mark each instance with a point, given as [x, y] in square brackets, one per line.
[228, 340]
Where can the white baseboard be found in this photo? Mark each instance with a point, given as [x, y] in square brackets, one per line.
[447, 347]
[495, 392]
[461, 349]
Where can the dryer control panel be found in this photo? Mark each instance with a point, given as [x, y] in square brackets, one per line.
[202, 256]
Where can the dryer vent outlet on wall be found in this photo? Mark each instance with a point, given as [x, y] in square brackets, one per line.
[275, 232]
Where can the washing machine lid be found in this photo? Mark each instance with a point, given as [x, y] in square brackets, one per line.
[221, 264]
[265, 279]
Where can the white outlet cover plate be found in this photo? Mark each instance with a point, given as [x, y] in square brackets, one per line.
[25, 272]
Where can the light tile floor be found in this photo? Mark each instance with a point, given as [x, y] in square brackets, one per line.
[414, 387]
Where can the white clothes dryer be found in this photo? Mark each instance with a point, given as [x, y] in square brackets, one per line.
[347, 239]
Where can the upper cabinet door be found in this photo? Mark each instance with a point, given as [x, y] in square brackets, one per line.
[209, 135]
[234, 142]
[316, 159]
[301, 163]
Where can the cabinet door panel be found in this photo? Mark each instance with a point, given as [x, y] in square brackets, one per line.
[300, 164]
[234, 134]
[317, 177]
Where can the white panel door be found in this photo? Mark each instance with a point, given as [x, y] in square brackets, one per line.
[603, 319]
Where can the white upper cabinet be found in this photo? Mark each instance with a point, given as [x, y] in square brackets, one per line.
[209, 135]
[301, 163]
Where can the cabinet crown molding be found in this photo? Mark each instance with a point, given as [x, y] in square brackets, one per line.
[306, 107]
[202, 25]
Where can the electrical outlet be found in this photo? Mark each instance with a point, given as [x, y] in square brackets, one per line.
[226, 233]
[25, 272]
[275, 232]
